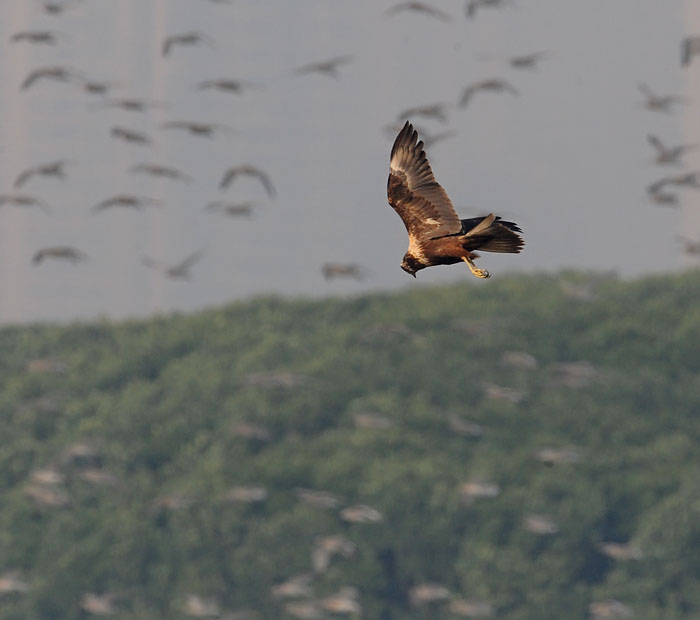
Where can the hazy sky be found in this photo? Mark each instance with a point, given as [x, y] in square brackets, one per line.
[567, 158]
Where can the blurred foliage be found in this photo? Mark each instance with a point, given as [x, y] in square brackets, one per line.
[128, 450]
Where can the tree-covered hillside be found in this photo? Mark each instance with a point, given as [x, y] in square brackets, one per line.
[523, 448]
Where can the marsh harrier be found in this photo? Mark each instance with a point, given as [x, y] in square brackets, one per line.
[436, 234]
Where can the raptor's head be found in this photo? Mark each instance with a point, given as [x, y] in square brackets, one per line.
[410, 264]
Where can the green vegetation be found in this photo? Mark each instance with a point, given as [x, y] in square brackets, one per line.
[147, 462]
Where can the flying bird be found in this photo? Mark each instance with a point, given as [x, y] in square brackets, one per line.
[326, 67]
[186, 38]
[131, 105]
[690, 247]
[472, 6]
[50, 169]
[686, 179]
[134, 137]
[42, 37]
[690, 46]
[161, 171]
[206, 130]
[98, 87]
[668, 154]
[56, 8]
[523, 61]
[659, 103]
[419, 7]
[126, 200]
[232, 209]
[22, 200]
[248, 170]
[179, 271]
[331, 271]
[60, 74]
[235, 87]
[490, 85]
[66, 253]
[436, 234]
[437, 111]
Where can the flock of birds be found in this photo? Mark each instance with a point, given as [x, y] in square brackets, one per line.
[660, 192]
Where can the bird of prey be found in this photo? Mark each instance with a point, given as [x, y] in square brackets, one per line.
[668, 154]
[472, 6]
[22, 200]
[134, 137]
[419, 7]
[438, 111]
[490, 85]
[186, 38]
[49, 169]
[131, 105]
[232, 209]
[45, 37]
[436, 234]
[326, 67]
[179, 271]
[157, 170]
[60, 74]
[343, 270]
[659, 103]
[225, 85]
[66, 253]
[248, 170]
[126, 200]
[690, 46]
[205, 130]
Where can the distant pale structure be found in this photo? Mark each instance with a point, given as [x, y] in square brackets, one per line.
[245, 494]
[426, 593]
[99, 604]
[48, 365]
[47, 476]
[469, 491]
[575, 374]
[540, 524]
[47, 496]
[298, 586]
[250, 430]
[198, 607]
[11, 581]
[518, 359]
[464, 427]
[558, 456]
[611, 608]
[499, 392]
[361, 514]
[325, 547]
[471, 608]
[345, 601]
[98, 477]
[621, 551]
[306, 610]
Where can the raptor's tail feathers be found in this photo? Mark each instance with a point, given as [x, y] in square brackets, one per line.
[492, 234]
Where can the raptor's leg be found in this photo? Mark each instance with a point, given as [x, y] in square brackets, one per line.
[479, 273]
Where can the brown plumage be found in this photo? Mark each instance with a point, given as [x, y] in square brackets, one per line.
[436, 234]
